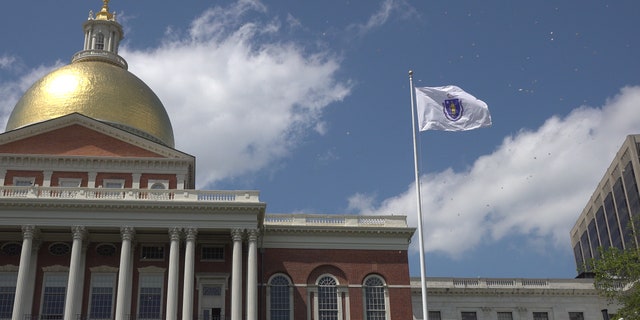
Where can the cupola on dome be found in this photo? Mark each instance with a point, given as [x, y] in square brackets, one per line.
[98, 85]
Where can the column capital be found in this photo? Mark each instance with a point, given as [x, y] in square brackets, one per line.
[79, 232]
[236, 234]
[127, 233]
[175, 233]
[29, 231]
[253, 234]
[191, 233]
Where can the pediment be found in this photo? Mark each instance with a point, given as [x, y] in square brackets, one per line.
[78, 135]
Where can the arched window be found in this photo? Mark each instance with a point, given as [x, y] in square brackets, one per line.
[280, 298]
[375, 298]
[99, 42]
[328, 304]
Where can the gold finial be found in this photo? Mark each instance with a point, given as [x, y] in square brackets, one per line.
[104, 13]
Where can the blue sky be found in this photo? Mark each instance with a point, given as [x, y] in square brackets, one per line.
[309, 103]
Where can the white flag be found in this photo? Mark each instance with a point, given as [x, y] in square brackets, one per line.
[450, 108]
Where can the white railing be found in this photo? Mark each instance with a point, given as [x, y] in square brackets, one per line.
[8, 192]
[335, 220]
[100, 55]
[504, 283]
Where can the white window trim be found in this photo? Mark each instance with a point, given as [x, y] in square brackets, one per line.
[46, 275]
[291, 304]
[152, 182]
[113, 287]
[339, 293]
[105, 182]
[386, 297]
[146, 272]
[67, 182]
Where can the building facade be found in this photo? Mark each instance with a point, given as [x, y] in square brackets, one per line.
[511, 299]
[610, 217]
[100, 218]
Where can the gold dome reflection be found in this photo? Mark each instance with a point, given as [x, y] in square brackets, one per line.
[98, 90]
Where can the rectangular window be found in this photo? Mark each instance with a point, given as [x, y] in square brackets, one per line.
[469, 315]
[505, 316]
[53, 295]
[150, 296]
[540, 316]
[113, 183]
[69, 182]
[576, 316]
[434, 315]
[24, 181]
[152, 252]
[8, 282]
[102, 292]
[212, 253]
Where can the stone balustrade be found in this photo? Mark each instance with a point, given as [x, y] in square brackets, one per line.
[335, 220]
[9, 192]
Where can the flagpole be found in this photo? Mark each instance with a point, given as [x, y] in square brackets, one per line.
[423, 272]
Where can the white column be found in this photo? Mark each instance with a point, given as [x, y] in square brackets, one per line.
[124, 280]
[188, 283]
[28, 233]
[172, 285]
[73, 295]
[252, 275]
[236, 275]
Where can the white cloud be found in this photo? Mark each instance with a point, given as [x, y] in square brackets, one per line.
[380, 17]
[534, 184]
[236, 101]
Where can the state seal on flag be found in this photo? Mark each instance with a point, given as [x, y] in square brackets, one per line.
[453, 109]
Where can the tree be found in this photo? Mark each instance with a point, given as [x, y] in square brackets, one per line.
[617, 276]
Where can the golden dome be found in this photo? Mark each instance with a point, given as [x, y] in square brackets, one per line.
[99, 90]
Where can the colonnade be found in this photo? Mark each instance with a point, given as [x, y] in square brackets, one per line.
[74, 296]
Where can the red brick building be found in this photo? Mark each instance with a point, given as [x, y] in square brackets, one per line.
[100, 218]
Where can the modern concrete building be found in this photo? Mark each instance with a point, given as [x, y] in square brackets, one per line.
[613, 211]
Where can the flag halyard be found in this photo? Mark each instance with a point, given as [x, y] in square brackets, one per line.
[450, 108]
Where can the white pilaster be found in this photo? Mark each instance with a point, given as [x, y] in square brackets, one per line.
[46, 182]
[124, 280]
[252, 275]
[236, 275]
[189, 262]
[136, 181]
[73, 296]
[28, 233]
[91, 183]
[172, 285]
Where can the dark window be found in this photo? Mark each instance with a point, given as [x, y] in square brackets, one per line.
[7, 293]
[505, 316]
[612, 221]
[59, 249]
[106, 250]
[434, 315]
[577, 252]
[99, 41]
[593, 238]
[540, 316]
[11, 249]
[601, 223]
[586, 250]
[633, 195]
[212, 253]
[576, 316]
[149, 252]
[469, 315]
[623, 212]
